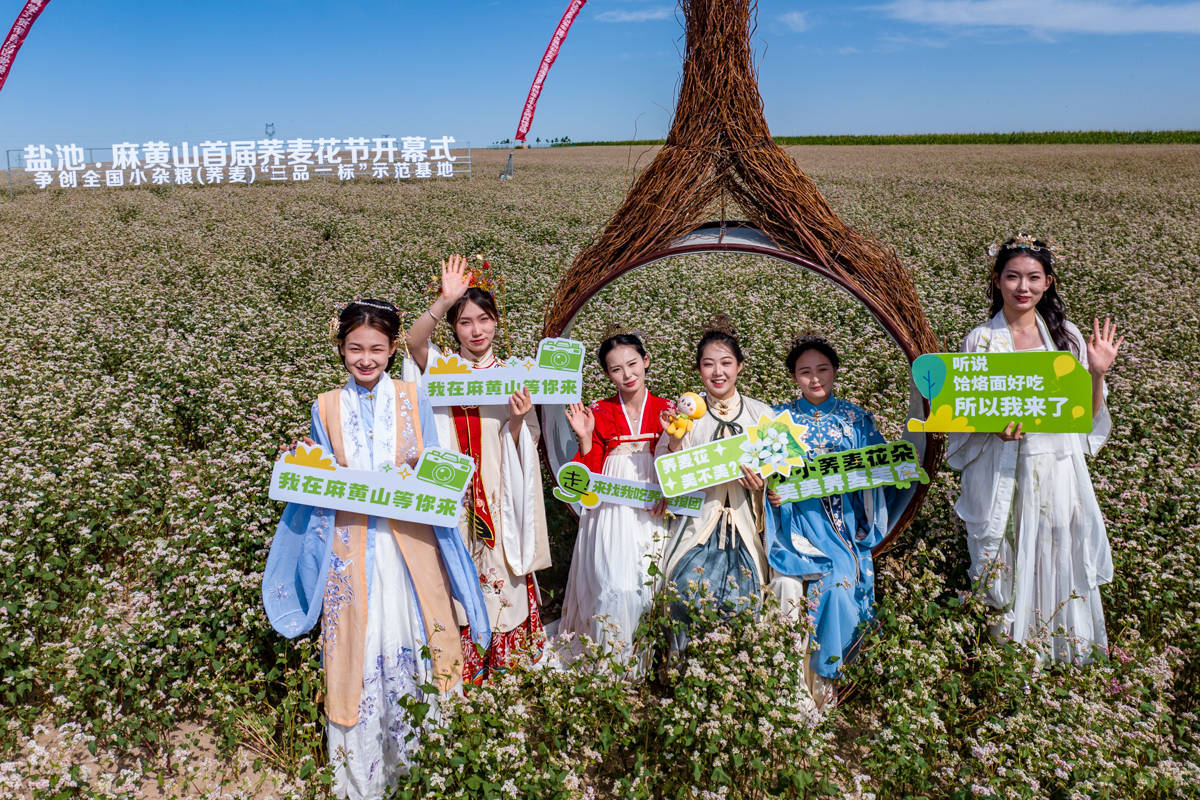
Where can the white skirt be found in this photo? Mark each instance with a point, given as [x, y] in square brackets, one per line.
[609, 586]
[1053, 607]
[371, 754]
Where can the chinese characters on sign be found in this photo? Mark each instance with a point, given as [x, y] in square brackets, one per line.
[159, 163]
[1047, 392]
[578, 484]
[431, 493]
[892, 464]
[554, 376]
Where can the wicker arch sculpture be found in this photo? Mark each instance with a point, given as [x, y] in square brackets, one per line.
[719, 152]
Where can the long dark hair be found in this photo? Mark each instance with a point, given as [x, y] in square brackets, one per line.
[378, 314]
[615, 341]
[1051, 305]
[479, 297]
[720, 330]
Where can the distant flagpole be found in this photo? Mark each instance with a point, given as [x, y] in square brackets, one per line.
[560, 33]
[16, 36]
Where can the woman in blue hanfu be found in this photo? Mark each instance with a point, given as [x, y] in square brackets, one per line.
[820, 547]
[383, 589]
[1038, 544]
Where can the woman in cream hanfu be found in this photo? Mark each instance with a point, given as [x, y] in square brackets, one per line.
[720, 554]
[384, 589]
[609, 585]
[826, 541]
[504, 518]
[1038, 544]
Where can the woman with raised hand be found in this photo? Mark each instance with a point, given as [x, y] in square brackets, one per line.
[826, 541]
[719, 555]
[384, 589]
[609, 586]
[504, 518]
[1039, 548]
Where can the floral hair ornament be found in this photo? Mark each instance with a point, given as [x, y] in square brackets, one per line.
[1024, 241]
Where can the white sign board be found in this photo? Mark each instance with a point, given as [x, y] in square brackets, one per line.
[554, 376]
[578, 484]
[430, 493]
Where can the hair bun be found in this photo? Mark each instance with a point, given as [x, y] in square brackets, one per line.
[720, 323]
[613, 329]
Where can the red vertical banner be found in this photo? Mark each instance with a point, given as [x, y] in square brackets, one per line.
[551, 53]
[16, 36]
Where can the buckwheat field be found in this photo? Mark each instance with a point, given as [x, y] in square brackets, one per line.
[160, 345]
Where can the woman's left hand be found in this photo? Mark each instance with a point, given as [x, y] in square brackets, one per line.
[520, 404]
[750, 480]
[659, 509]
[1101, 347]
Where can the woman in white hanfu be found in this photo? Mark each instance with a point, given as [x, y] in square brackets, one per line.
[383, 589]
[1039, 548]
[504, 518]
[609, 586]
[720, 554]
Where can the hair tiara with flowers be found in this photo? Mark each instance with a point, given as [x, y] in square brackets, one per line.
[808, 335]
[1024, 241]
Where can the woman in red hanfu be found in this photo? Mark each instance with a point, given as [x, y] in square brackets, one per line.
[504, 519]
[609, 586]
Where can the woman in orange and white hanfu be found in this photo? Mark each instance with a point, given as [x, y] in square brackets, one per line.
[503, 520]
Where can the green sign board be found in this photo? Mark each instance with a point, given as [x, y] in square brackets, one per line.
[892, 464]
[774, 445]
[1047, 392]
[578, 484]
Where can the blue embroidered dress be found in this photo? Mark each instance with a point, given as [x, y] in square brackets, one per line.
[831, 537]
[305, 579]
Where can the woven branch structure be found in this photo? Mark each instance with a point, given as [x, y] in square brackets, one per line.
[719, 150]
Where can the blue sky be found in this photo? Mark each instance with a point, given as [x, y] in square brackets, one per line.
[102, 71]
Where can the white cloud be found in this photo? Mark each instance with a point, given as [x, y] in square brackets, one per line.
[795, 20]
[900, 40]
[648, 15]
[847, 51]
[1057, 16]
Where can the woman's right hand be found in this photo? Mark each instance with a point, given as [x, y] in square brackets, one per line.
[291, 448]
[582, 422]
[456, 278]
[773, 498]
[1012, 432]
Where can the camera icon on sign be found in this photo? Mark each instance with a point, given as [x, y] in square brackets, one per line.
[560, 354]
[448, 470]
